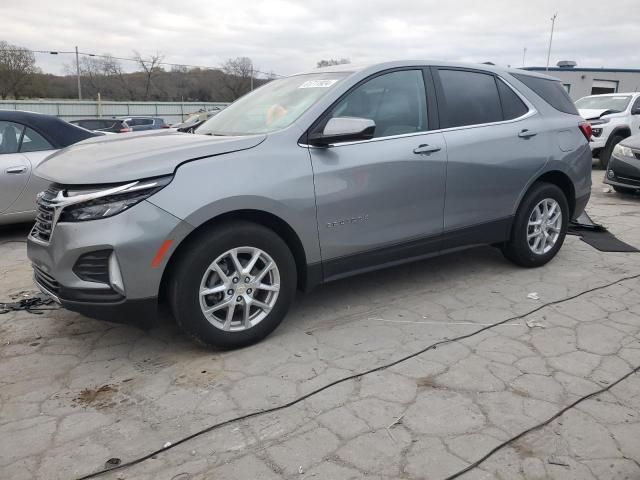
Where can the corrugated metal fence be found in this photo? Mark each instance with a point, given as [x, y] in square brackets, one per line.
[172, 112]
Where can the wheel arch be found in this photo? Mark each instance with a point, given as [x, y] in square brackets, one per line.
[306, 278]
[563, 182]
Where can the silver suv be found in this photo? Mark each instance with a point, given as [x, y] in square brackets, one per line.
[309, 179]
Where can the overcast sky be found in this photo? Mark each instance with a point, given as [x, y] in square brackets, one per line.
[288, 36]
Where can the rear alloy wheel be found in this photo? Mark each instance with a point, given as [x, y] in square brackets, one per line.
[233, 284]
[539, 227]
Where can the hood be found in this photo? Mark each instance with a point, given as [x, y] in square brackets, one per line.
[591, 113]
[132, 156]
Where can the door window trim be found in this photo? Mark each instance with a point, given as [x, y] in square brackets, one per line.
[431, 81]
[431, 107]
[496, 77]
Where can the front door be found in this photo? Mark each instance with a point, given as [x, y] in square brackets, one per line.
[381, 200]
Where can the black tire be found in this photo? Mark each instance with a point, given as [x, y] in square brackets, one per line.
[517, 248]
[194, 261]
[605, 153]
[624, 190]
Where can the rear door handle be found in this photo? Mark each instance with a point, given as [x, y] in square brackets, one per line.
[16, 170]
[426, 149]
[526, 133]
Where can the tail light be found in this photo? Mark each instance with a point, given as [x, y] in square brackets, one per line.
[166, 125]
[125, 130]
[585, 128]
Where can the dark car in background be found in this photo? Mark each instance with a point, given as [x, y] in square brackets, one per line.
[144, 123]
[112, 125]
[26, 139]
[623, 170]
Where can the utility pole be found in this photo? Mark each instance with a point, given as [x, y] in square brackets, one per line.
[524, 55]
[78, 74]
[553, 23]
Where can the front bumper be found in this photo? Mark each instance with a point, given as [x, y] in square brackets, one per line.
[134, 238]
[623, 172]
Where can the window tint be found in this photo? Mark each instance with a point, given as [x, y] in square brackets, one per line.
[636, 106]
[512, 106]
[551, 92]
[470, 98]
[10, 137]
[34, 142]
[395, 101]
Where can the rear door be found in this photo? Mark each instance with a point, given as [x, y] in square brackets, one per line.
[14, 167]
[495, 144]
[381, 200]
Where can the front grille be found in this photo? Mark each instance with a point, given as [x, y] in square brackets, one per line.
[46, 280]
[93, 266]
[44, 218]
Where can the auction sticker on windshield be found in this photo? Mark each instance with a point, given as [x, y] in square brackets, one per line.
[317, 83]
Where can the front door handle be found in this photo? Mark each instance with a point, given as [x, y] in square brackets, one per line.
[426, 149]
[526, 133]
[16, 170]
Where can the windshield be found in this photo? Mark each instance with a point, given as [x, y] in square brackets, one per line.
[618, 103]
[273, 106]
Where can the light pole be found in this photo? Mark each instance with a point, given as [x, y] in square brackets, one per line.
[524, 55]
[78, 74]
[553, 22]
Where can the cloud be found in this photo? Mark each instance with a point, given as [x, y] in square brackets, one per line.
[288, 36]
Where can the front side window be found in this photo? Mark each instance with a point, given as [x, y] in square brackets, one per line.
[273, 106]
[470, 98]
[32, 141]
[10, 134]
[395, 101]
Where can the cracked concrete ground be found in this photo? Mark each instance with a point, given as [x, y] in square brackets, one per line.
[75, 392]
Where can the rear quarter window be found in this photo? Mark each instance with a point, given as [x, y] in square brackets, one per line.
[551, 92]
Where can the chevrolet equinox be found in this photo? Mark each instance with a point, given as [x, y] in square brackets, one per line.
[305, 180]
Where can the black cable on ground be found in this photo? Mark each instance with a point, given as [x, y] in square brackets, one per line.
[344, 379]
[540, 425]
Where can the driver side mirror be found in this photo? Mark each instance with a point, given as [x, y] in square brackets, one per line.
[343, 129]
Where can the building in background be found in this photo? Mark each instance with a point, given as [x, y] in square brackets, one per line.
[581, 82]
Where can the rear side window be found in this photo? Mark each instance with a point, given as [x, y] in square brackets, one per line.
[551, 92]
[32, 141]
[470, 98]
[512, 106]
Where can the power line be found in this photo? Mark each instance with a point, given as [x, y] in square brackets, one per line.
[132, 59]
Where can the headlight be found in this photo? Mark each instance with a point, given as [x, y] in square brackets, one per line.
[83, 205]
[622, 151]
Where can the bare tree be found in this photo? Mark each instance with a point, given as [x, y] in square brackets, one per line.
[332, 61]
[113, 69]
[151, 67]
[238, 73]
[17, 67]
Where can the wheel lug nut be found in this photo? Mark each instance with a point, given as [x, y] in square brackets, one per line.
[239, 299]
[230, 292]
[249, 291]
[247, 280]
[235, 280]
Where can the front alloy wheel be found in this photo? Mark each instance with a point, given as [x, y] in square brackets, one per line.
[239, 289]
[232, 284]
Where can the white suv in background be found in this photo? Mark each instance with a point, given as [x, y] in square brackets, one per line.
[613, 117]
